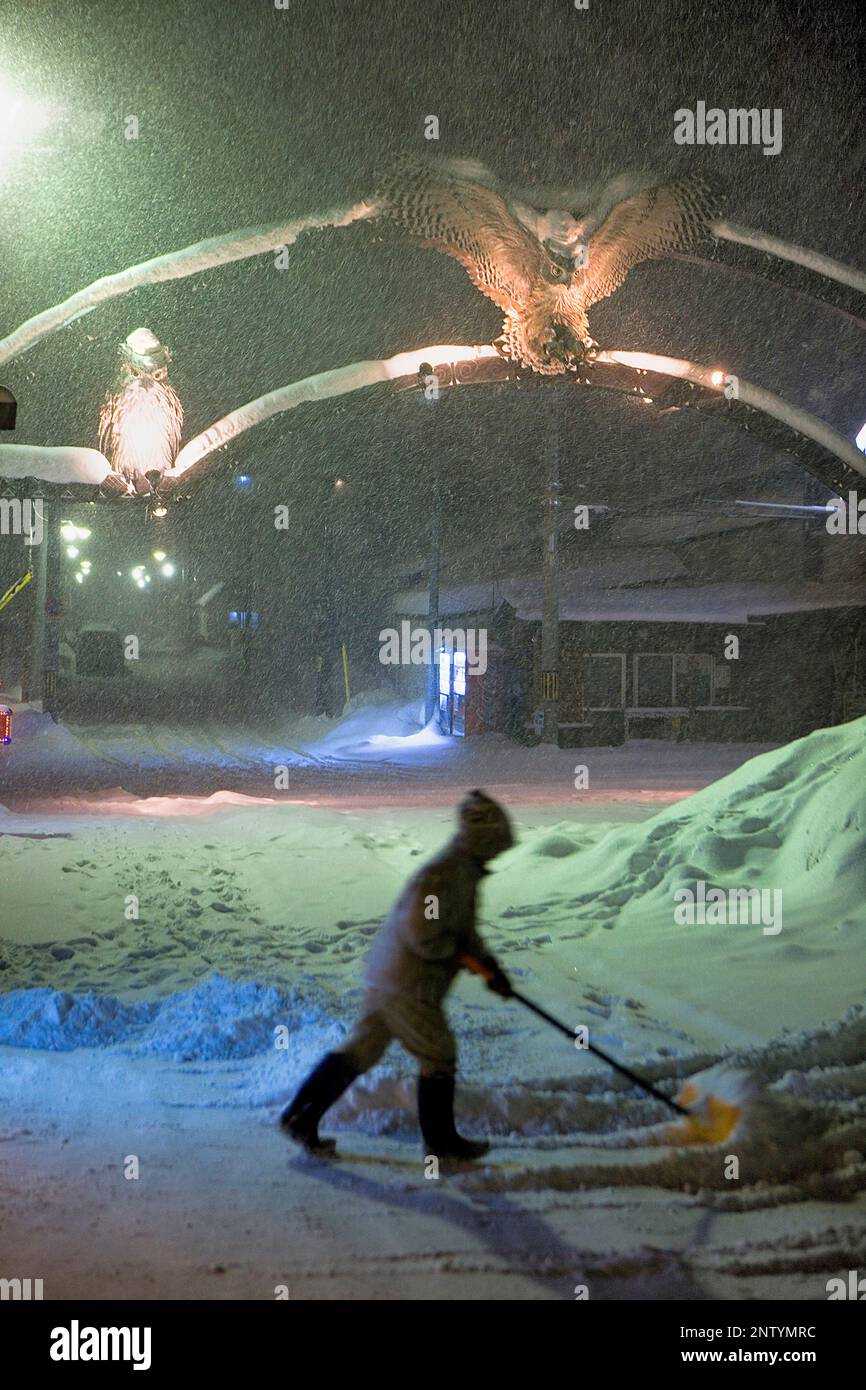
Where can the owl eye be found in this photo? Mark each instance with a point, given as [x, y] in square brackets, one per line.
[556, 274]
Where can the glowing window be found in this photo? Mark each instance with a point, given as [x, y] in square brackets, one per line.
[444, 673]
[459, 673]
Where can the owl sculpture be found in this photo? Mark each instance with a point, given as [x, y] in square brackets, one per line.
[141, 418]
[544, 269]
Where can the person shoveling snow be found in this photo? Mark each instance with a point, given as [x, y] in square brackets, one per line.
[429, 935]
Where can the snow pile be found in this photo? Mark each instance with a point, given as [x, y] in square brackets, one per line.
[45, 754]
[215, 1021]
[373, 727]
[793, 818]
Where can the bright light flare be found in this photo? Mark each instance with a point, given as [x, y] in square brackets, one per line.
[22, 120]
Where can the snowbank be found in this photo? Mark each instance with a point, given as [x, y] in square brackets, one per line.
[63, 465]
[217, 1020]
[46, 754]
[793, 818]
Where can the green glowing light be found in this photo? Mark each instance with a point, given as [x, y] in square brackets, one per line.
[21, 121]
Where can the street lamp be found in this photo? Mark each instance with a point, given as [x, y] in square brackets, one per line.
[21, 121]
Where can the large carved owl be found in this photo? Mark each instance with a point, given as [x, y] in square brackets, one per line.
[545, 269]
[141, 418]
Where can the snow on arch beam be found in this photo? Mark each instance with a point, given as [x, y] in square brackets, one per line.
[777, 274]
[813, 261]
[824, 453]
[63, 466]
[828, 455]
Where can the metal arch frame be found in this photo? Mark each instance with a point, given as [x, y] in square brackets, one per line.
[774, 274]
[673, 383]
[785, 265]
[826, 454]
[241, 245]
[802, 256]
[663, 382]
[795, 431]
[659, 381]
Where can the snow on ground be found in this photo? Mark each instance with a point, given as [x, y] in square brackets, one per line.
[45, 761]
[155, 1036]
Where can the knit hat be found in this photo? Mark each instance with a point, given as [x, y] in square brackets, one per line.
[485, 828]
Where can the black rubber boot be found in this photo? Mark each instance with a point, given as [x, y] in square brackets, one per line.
[436, 1118]
[325, 1084]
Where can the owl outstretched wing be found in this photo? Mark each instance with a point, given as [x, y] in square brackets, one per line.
[473, 224]
[650, 224]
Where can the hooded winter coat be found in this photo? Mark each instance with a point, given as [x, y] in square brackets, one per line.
[415, 953]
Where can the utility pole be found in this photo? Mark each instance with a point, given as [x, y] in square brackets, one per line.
[429, 383]
[53, 611]
[43, 660]
[552, 504]
[31, 684]
[431, 705]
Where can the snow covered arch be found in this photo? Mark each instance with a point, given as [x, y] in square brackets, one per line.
[790, 252]
[821, 450]
[256, 241]
[663, 382]
[825, 453]
[783, 265]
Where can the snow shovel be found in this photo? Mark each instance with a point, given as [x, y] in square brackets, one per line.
[709, 1118]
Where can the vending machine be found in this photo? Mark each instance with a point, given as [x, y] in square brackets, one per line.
[470, 702]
